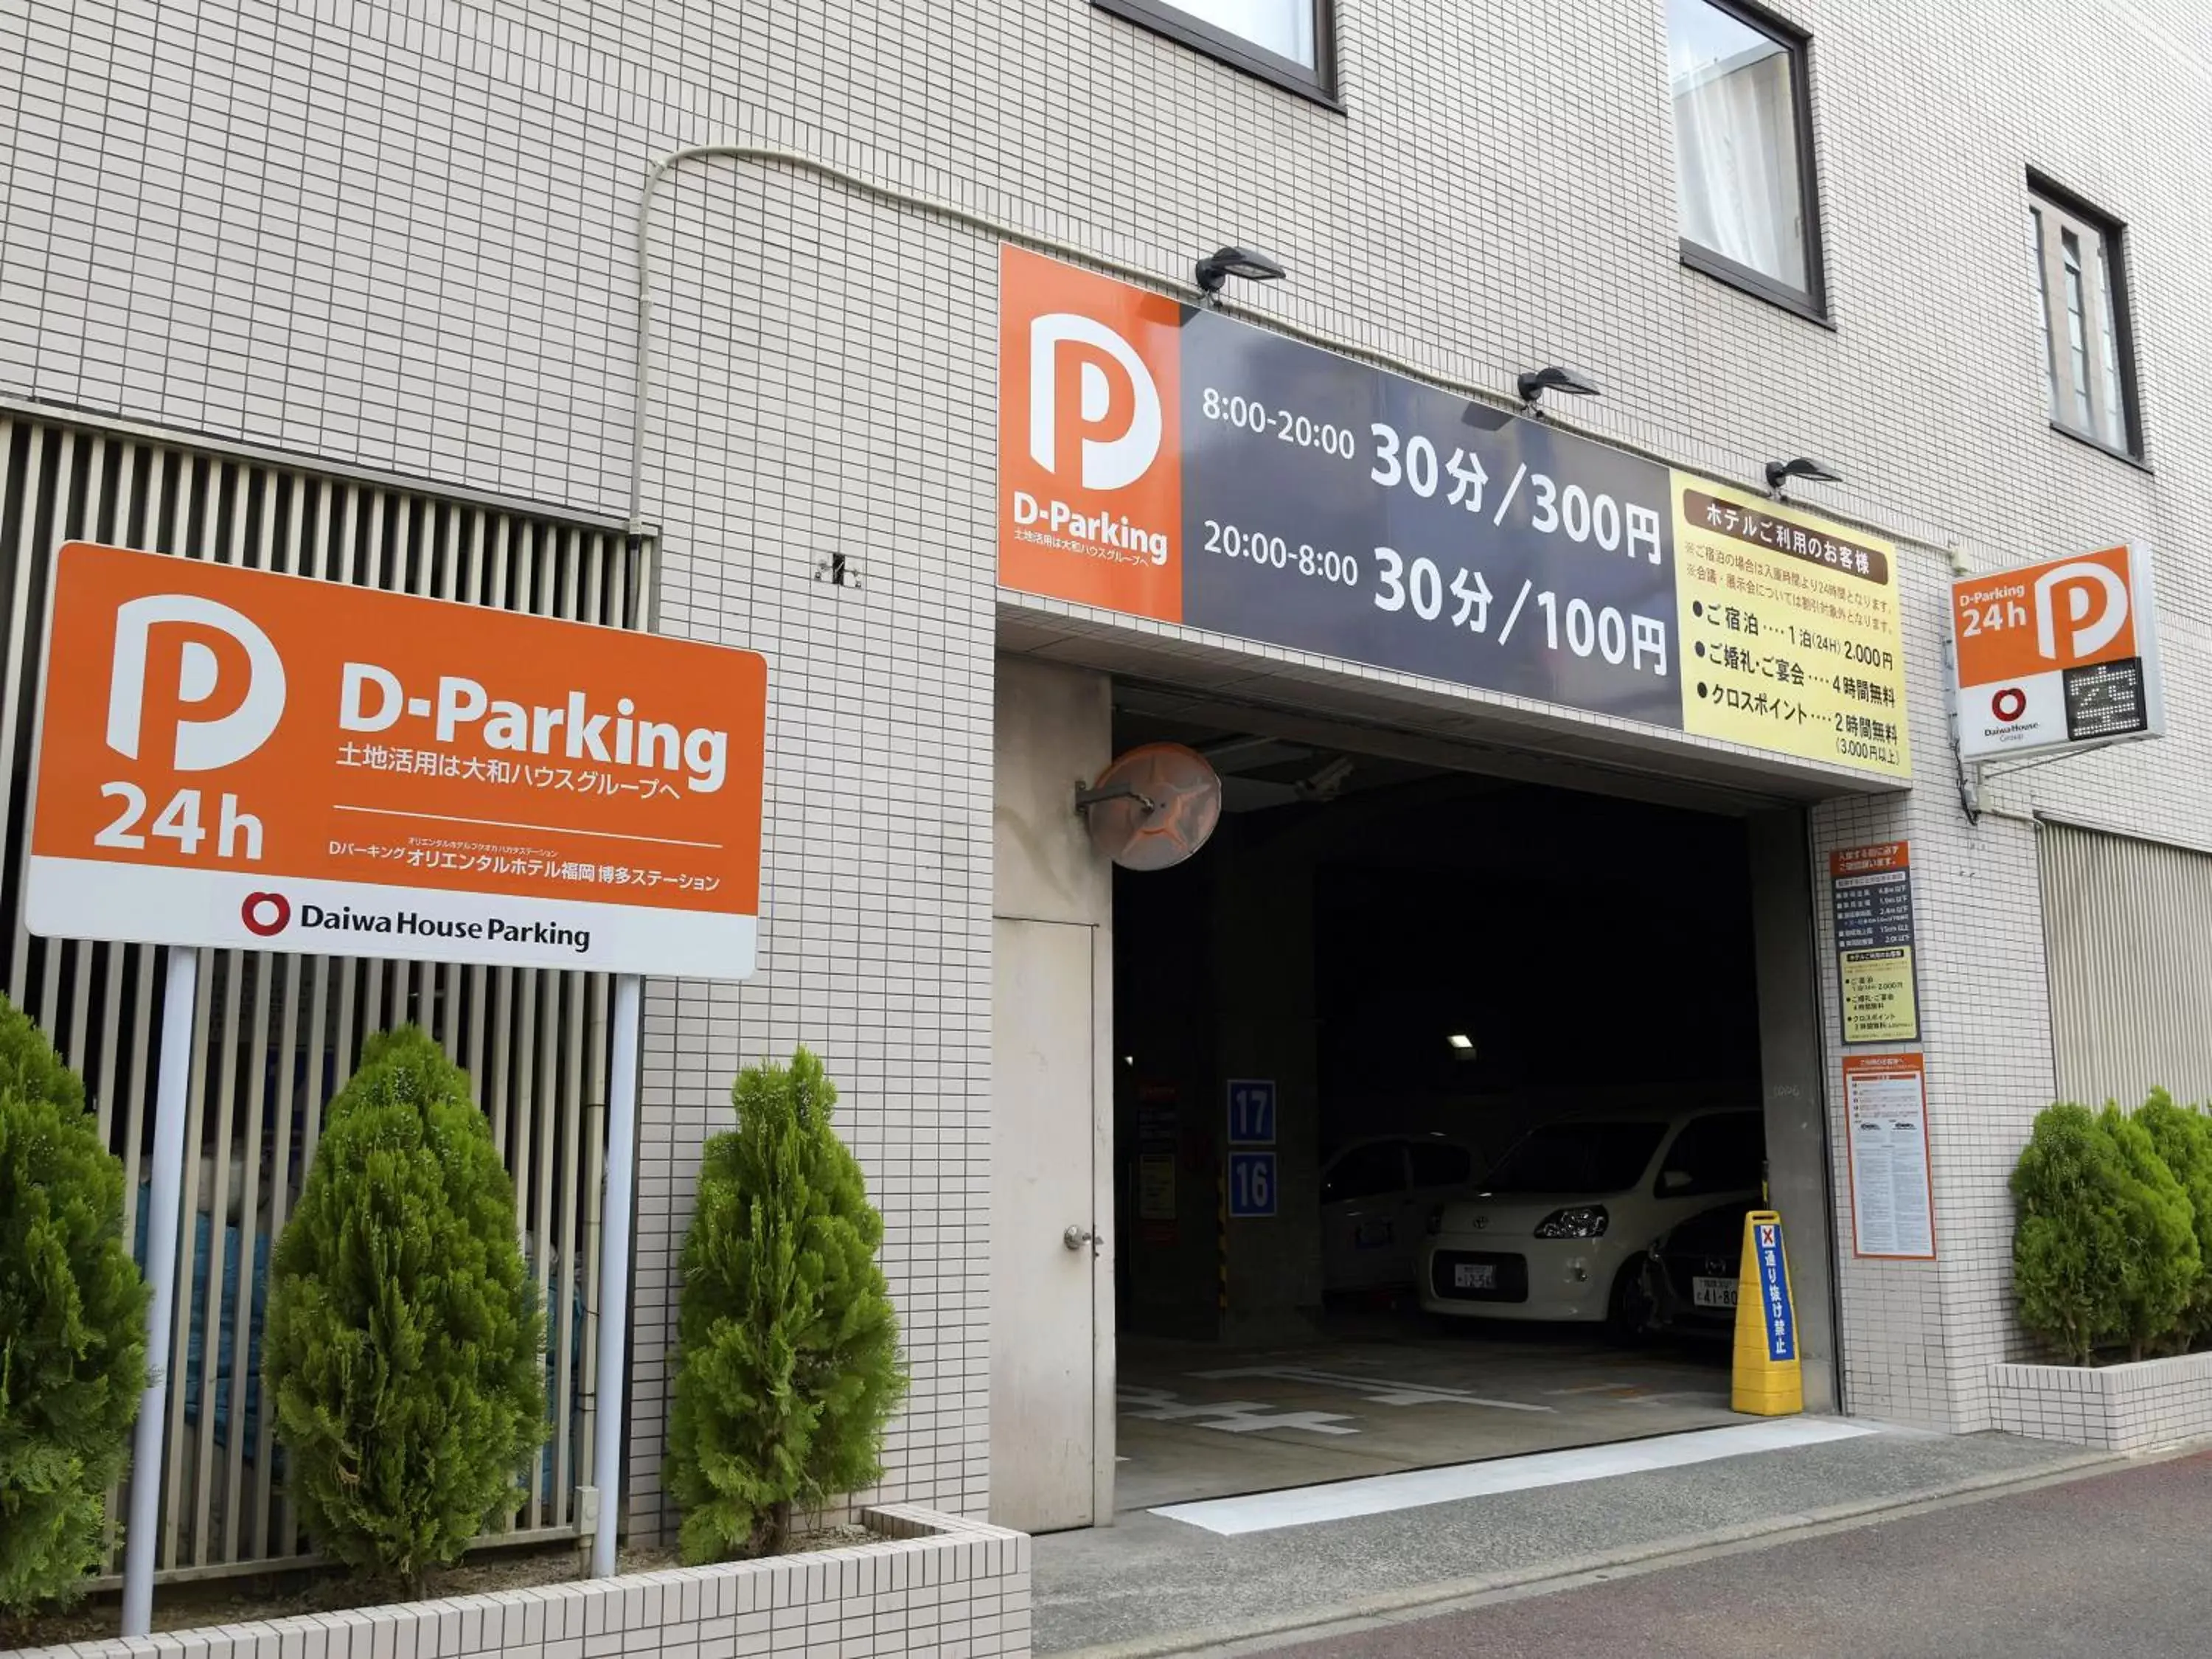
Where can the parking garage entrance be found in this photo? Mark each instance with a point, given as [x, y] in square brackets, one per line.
[1438, 1097]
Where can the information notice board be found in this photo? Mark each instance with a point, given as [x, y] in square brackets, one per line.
[1876, 974]
[1892, 1204]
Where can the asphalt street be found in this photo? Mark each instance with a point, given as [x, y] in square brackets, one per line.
[2111, 1564]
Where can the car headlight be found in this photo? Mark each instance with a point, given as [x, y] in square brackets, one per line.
[1583, 1221]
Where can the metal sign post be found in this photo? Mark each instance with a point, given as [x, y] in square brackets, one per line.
[614, 1268]
[174, 1079]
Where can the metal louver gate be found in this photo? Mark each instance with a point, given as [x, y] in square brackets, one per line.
[2127, 932]
[276, 1036]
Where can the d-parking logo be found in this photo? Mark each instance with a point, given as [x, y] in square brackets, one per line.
[1094, 410]
[265, 913]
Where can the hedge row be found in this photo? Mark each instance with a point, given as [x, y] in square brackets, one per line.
[2113, 1243]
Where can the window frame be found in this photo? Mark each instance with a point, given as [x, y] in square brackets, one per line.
[2061, 210]
[1810, 302]
[1317, 84]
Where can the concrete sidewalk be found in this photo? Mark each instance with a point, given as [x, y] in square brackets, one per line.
[1154, 1585]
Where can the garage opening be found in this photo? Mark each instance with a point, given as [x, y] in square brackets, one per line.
[1438, 1104]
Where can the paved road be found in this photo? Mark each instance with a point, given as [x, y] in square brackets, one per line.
[2113, 1565]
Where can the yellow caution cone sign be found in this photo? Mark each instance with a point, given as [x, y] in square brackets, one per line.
[1769, 1381]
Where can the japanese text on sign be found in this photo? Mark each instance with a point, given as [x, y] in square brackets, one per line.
[1169, 462]
[236, 757]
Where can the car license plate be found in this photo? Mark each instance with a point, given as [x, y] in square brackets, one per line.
[1475, 1275]
[1713, 1292]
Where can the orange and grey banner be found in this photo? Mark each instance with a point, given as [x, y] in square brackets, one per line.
[1166, 461]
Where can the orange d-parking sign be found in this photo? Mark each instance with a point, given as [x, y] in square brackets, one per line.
[236, 758]
[2056, 654]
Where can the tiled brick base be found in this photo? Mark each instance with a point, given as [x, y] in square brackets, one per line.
[2153, 1402]
[935, 1586]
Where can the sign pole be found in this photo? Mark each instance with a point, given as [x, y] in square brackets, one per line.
[614, 1268]
[174, 1080]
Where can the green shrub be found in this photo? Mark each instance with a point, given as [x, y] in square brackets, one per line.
[2104, 1251]
[2183, 1138]
[2068, 1245]
[2162, 1261]
[72, 1323]
[403, 1327]
[788, 1369]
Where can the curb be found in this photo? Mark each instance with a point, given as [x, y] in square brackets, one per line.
[1429, 1601]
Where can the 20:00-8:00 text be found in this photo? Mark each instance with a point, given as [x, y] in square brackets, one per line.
[1277, 553]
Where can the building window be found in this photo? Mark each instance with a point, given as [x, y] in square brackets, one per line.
[1743, 150]
[2080, 303]
[1285, 41]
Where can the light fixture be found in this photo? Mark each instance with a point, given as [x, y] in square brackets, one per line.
[1462, 1041]
[1553, 377]
[1249, 263]
[1804, 466]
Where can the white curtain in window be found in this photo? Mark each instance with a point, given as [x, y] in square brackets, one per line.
[1736, 129]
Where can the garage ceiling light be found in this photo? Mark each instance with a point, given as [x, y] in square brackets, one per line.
[1462, 1041]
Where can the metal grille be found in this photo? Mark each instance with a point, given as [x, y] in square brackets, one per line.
[2127, 929]
[276, 1036]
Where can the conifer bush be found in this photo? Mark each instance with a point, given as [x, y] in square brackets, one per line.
[2163, 1264]
[404, 1329]
[72, 1323]
[788, 1369]
[2182, 1137]
[2104, 1250]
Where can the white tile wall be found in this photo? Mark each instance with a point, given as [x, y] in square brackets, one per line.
[397, 233]
[2122, 1408]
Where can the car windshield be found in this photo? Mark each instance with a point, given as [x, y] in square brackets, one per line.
[1577, 1158]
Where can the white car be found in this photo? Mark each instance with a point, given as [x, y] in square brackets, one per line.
[1375, 1194]
[1559, 1230]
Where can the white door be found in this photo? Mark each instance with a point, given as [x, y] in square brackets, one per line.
[1044, 1259]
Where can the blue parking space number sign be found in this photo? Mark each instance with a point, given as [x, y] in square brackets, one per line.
[1251, 1184]
[1251, 1111]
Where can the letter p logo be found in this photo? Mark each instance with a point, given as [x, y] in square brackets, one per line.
[200, 667]
[1094, 410]
[2096, 609]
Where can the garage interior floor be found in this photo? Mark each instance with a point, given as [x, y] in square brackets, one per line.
[1375, 1395]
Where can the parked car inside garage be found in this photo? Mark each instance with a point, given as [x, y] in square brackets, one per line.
[1694, 1268]
[1560, 1228]
[1375, 1194]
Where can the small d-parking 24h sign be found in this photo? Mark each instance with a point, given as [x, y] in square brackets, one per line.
[2061, 655]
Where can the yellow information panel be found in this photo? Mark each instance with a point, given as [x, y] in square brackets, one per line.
[1878, 1003]
[1792, 632]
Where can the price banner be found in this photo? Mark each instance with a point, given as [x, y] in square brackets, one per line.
[1165, 461]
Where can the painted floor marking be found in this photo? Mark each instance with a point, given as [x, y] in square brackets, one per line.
[1380, 1390]
[1381, 1494]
